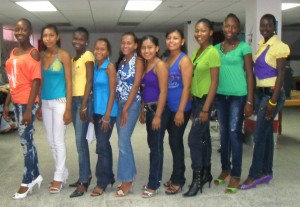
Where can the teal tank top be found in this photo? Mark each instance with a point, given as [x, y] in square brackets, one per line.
[54, 82]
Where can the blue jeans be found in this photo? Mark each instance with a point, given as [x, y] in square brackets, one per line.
[126, 164]
[199, 139]
[80, 128]
[262, 161]
[231, 117]
[104, 171]
[31, 163]
[177, 147]
[155, 139]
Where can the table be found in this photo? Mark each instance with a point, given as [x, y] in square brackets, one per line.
[293, 101]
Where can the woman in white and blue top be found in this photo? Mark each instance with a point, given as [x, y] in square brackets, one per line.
[129, 76]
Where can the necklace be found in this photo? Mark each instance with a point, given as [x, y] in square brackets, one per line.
[230, 47]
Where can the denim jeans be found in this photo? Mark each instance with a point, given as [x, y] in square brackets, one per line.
[80, 128]
[31, 163]
[155, 139]
[231, 118]
[53, 112]
[262, 161]
[177, 148]
[104, 171]
[126, 164]
[199, 139]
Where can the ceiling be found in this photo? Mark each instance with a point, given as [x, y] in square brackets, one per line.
[109, 15]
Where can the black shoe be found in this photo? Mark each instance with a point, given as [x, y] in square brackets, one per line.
[195, 186]
[77, 183]
[80, 190]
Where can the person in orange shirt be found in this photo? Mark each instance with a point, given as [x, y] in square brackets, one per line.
[24, 75]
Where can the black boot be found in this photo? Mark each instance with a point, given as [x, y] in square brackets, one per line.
[206, 176]
[195, 186]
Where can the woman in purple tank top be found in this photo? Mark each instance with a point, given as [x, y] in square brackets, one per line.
[155, 87]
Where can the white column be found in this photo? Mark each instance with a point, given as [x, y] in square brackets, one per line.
[255, 9]
[189, 29]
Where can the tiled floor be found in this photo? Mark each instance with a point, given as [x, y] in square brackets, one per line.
[283, 190]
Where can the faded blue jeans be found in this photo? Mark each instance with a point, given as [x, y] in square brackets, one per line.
[262, 161]
[126, 163]
[80, 128]
[231, 118]
[31, 163]
[199, 139]
[104, 167]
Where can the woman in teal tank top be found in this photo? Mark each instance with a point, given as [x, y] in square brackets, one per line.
[56, 101]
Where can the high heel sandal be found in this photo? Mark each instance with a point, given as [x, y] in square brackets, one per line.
[38, 180]
[18, 195]
[167, 183]
[55, 187]
[173, 189]
[148, 194]
[121, 192]
[77, 183]
[233, 185]
[222, 177]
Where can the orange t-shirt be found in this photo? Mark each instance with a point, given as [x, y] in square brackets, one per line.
[21, 71]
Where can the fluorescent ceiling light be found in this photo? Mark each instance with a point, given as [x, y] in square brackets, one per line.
[142, 5]
[36, 6]
[285, 6]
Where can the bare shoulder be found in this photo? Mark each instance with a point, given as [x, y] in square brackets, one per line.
[63, 54]
[35, 54]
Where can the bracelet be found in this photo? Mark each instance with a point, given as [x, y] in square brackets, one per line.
[248, 102]
[271, 103]
[204, 111]
[105, 121]
[84, 109]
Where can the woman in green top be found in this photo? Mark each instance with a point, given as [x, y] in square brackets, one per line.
[235, 98]
[206, 62]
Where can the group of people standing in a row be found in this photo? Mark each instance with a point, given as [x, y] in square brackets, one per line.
[165, 93]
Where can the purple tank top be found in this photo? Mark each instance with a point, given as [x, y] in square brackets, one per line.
[150, 87]
[261, 69]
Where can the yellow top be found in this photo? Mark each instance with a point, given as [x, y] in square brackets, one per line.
[277, 50]
[79, 73]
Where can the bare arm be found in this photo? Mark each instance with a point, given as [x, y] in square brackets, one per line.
[161, 71]
[248, 110]
[112, 78]
[277, 88]
[186, 69]
[139, 68]
[87, 90]
[66, 60]
[204, 114]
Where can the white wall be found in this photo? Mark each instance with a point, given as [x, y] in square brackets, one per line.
[114, 38]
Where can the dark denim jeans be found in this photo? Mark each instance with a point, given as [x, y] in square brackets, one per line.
[155, 140]
[177, 147]
[262, 161]
[80, 128]
[31, 163]
[104, 171]
[231, 118]
[199, 137]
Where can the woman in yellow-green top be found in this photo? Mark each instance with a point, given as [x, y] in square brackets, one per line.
[82, 79]
[206, 61]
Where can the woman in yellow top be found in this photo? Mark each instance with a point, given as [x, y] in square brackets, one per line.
[82, 77]
[269, 67]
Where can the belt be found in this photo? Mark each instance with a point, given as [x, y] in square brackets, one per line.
[150, 107]
[195, 98]
[265, 90]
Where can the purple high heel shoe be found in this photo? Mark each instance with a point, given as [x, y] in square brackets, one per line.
[262, 180]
